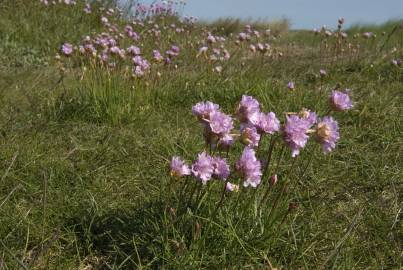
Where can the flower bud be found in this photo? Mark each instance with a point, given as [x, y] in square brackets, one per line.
[273, 179]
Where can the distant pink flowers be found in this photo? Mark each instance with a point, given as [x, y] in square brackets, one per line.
[67, 49]
[291, 85]
[340, 101]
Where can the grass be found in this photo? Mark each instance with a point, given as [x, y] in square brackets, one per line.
[84, 180]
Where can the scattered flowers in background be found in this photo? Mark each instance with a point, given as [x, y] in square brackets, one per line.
[291, 86]
[340, 101]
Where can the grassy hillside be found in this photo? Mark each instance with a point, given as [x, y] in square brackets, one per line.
[86, 143]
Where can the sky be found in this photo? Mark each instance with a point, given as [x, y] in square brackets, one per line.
[303, 14]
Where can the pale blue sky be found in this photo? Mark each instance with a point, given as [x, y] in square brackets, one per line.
[302, 13]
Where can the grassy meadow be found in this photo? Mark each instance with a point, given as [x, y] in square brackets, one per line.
[86, 143]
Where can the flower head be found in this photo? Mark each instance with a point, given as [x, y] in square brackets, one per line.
[231, 187]
[174, 51]
[247, 109]
[327, 133]
[220, 123]
[203, 167]
[242, 36]
[249, 167]
[87, 8]
[250, 136]
[309, 116]
[211, 39]
[203, 109]
[340, 101]
[67, 49]
[225, 141]
[295, 133]
[178, 167]
[291, 85]
[134, 50]
[157, 56]
[266, 123]
[221, 168]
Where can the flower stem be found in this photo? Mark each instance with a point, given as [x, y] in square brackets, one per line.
[272, 143]
[221, 199]
[286, 176]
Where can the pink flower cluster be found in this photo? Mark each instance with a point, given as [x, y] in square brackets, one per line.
[254, 124]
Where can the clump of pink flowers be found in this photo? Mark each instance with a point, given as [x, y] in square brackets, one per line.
[252, 165]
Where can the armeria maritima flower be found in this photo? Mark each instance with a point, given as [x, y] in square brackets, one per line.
[291, 85]
[327, 133]
[309, 116]
[295, 133]
[340, 101]
[266, 123]
[220, 123]
[179, 167]
[203, 167]
[67, 49]
[221, 168]
[249, 167]
[203, 109]
[250, 136]
[247, 108]
[231, 187]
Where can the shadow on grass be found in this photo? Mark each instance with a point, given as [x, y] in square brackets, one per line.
[129, 238]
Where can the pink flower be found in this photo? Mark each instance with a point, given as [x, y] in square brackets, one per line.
[250, 137]
[220, 123]
[295, 133]
[203, 167]
[133, 50]
[247, 109]
[179, 168]
[157, 56]
[291, 85]
[67, 49]
[309, 116]
[340, 101]
[327, 133]
[266, 123]
[203, 109]
[231, 187]
[249, 167]
[221, 168]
